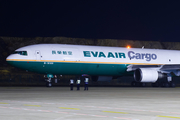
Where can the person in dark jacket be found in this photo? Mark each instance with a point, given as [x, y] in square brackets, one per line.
[86, 83]
[71, 84]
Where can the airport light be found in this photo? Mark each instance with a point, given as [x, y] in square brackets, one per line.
[128, 47]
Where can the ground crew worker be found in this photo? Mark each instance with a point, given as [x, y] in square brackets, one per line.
[55, 80]
[86, 83]
[71, 83]
[78, 84]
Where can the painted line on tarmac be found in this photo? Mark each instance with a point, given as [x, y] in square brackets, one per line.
[46, 111]
[3, 103]
[32, 105]
[140, 110]
[80, 114]
[174, 112]
[38, 110]
[69, 108]
[61, 112]
[125, 118]
[168, 116]
[28, 109]
[116, 112]
[98, 115]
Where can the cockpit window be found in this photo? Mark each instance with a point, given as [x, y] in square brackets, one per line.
[21, 52]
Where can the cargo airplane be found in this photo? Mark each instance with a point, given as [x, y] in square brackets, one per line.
[146, 65]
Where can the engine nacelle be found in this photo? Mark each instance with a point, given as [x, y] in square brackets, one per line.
[147, 75]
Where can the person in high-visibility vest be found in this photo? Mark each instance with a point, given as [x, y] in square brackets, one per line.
[86, 83]
[71, 84]
[78, 84]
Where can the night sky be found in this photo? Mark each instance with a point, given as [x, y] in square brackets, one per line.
[154, 20]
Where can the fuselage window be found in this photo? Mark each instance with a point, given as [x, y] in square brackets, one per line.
[21, 52]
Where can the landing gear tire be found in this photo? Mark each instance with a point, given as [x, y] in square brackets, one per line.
[168, 84]
[156, 84]
[142, 84]
[48, 84]
[171, 84]
[133, 84]
[138, 84]
[165, 84]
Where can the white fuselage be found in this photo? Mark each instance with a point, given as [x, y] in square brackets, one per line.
[96, 60]
[76, 53]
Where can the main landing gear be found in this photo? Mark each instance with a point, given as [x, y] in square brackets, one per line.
[137, 84]
[169, 82]
[163, 84]
[156, 84]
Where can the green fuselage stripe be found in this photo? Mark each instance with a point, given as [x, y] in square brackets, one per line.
[72, 68]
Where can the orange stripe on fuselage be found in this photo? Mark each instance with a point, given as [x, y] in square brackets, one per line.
[81, 62]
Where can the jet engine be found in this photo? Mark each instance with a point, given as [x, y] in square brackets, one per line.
[147, 75]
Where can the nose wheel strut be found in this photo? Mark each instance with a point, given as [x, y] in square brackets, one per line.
[49, 83]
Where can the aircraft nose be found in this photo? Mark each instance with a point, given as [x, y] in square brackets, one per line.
[9, 60]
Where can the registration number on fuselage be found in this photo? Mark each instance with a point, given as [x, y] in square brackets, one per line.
[50, 63]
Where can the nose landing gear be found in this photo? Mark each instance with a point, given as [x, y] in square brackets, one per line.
[49, 81]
